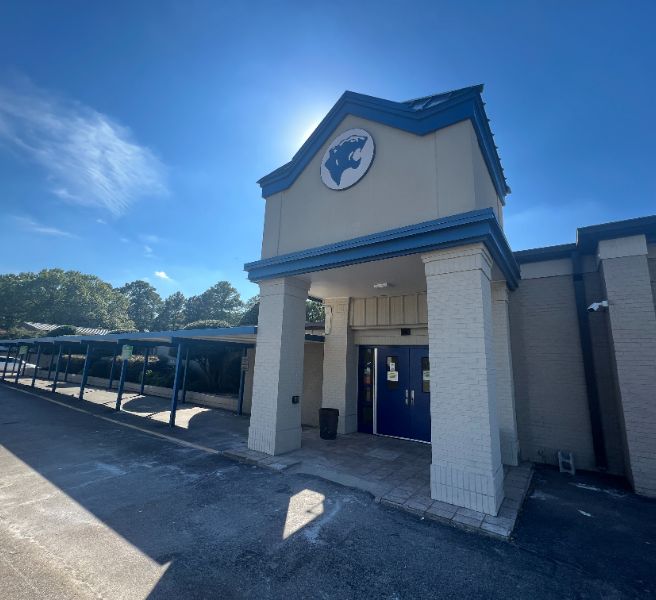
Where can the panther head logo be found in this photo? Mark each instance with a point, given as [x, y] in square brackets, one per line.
[342, 156]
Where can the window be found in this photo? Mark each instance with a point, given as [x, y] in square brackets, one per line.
[425, 375]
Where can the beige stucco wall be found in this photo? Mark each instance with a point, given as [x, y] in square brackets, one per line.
[412, 179]
[550, 392]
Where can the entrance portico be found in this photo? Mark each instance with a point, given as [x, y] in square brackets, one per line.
[407, 253]
[429, 288]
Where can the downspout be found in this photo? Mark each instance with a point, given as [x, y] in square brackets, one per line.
[592, 390]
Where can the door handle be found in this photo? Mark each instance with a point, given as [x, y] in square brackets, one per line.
[406, 397]
[412, 397]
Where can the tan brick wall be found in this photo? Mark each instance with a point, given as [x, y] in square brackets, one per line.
[312, 383]
[633, 329]
[550, 392]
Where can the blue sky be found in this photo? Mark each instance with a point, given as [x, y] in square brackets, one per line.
[132, 134]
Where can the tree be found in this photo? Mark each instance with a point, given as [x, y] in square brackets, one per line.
[144, 303]
[62, 330]
[172, 315]
[220, 302]
[314, 312]
[14, 305]
[58, 296]
[251, 312]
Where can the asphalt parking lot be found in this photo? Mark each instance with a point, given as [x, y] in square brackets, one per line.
[90, 508]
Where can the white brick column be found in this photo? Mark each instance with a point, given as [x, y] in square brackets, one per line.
[505, 386]
[466, 465]
[633, 331]
[275, 425]
[339, 365]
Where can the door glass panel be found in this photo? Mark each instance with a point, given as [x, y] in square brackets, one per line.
[425, 375]
[367, 388]
[392, 375]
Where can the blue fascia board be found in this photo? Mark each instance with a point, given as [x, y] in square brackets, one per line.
[394, 114]
[475, 226]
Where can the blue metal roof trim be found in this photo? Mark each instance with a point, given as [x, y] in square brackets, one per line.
[475, 226]
[433, 113]
[588, 237]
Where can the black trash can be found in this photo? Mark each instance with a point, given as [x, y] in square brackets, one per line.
[328, 418]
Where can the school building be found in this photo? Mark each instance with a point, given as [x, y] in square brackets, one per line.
[391, 213]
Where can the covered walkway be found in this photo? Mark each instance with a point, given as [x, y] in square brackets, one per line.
[119, 346]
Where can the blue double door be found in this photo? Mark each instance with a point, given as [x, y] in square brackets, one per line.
[403, 392]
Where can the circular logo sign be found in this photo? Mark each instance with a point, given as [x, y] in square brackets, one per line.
[347, 159]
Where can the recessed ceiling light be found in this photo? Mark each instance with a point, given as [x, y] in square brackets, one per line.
[381, 286]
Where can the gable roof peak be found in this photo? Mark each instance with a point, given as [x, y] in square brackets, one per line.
[419, 116]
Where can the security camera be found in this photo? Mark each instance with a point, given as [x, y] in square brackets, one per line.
[597, 306]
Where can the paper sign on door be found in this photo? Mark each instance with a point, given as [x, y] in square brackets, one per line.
[392, 376]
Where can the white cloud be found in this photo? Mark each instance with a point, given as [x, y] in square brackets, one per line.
[33, 226]
[162, 275]
[89, 158]
[148, 251]
[124, 240]
[101, 221]
[149, 238]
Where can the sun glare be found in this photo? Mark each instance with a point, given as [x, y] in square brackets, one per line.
[304, 507]
[308, 132]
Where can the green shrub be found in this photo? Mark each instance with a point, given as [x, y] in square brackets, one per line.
[62, 330]
[220, 370]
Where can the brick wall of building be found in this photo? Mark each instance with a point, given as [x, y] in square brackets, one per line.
[550, 392]
[633, 330]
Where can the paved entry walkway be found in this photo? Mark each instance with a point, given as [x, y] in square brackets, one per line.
[396, 472]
